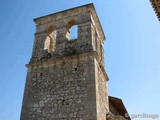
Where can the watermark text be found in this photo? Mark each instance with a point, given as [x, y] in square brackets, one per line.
[143, 115]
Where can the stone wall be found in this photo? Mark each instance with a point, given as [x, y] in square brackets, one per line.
[64, 89]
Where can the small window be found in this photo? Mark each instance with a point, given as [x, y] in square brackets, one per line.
[74, 32]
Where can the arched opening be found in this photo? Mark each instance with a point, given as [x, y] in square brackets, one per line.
[50, 42]
[72, 32]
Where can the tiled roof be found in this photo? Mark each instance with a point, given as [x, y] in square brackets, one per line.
[156, 6]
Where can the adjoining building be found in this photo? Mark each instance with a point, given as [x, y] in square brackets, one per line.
[117, 110]
[156, 6]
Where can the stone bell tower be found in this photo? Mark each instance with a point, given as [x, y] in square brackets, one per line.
[66, 79]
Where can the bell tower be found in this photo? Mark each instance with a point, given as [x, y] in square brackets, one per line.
[66, 79]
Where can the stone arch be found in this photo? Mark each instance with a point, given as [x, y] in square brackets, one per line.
[51, 28]
[71, 23]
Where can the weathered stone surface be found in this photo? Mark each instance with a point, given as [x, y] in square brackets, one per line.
[69, 82]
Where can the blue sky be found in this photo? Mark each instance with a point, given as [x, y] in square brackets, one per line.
[132, 50]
